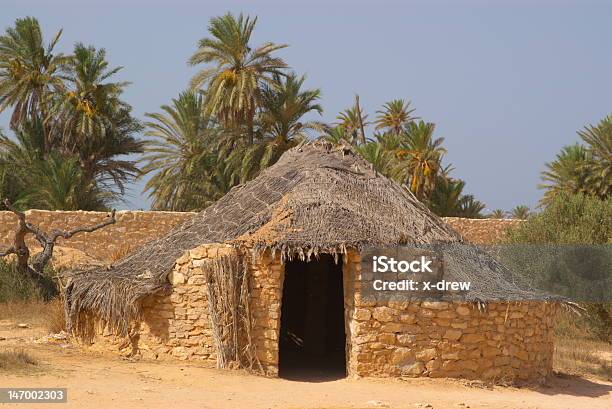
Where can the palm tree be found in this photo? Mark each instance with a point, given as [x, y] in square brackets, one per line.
[181, 154]
[52, 181]
[470, 208]
[599, 146]
[421, 156]
[236, 71]
[497, 214]
[284, 104]
[94, 123]
[85, 112]
[58, 183]
[336, 135]
[394, 116]
[29, 72]
[520, 212]
[445, 199]
[567, 173]
[353, 121]
[381, 159]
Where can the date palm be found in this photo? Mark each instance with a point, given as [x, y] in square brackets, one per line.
[521, 212]
[420, 158]
[58, 183]
[94, 123]
[598, 141]
[48, 181]
[470, 208]
[353, 121]
[567, 173]
[235, 72]
[497, 214]
[30, 72]
[85, 112]
[336, 135]
[281, 123]
[381, 159]
[180, 154]
[394, 116]
[445, 199]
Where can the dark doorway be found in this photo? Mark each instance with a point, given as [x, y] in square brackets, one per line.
[312, 337]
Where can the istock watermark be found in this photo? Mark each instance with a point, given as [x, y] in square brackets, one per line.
[459, 271]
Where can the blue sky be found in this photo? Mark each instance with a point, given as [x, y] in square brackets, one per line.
[507, 83]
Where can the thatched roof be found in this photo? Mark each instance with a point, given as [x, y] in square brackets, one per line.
[316, 198]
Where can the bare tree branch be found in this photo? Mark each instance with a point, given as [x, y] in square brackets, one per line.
[55, 234]
[34, 268]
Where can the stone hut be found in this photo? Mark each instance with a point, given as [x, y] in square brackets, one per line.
[269, 278]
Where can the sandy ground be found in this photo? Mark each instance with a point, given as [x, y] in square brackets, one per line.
[97, 380]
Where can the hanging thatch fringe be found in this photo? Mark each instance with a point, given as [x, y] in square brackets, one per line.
[228, 302]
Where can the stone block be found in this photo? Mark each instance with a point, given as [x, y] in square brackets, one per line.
[426, 354]
[452, 334]
[384, 314]
[176, 278]
[463, 311]
[472, 338]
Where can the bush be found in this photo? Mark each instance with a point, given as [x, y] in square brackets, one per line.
[571, 219]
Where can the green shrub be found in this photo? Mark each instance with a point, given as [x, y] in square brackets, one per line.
[570, 219]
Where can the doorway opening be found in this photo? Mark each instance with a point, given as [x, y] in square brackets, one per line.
[312, 341]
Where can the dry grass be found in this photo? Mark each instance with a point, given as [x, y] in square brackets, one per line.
[56, 320]
[17, 360]
[120, 253]
[49, 315]
[583, 357]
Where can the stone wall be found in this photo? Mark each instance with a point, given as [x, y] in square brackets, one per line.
[178, 325]
[481, 231]
[138, 227]
[132, 230]
[499, 342]
[502, 341]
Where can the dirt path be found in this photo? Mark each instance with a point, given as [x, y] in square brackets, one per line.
[106, 381]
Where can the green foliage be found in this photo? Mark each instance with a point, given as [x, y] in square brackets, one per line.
[72, 131]
[520, 212]
[182, 156]
[196, 160]
[235, 71]
[409, 153]
[447, 199]
[29, 71]
[53, 181]
[352, 121]
[582, 168]
[497, 214]
[394, 116]
[570, 219]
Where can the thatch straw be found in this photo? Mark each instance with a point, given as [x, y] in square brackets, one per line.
[316, 199]
[227, 287]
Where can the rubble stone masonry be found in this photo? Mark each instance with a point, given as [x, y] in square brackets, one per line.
[498, 341]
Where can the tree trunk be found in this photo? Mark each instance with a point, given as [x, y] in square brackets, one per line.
[33, 268]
